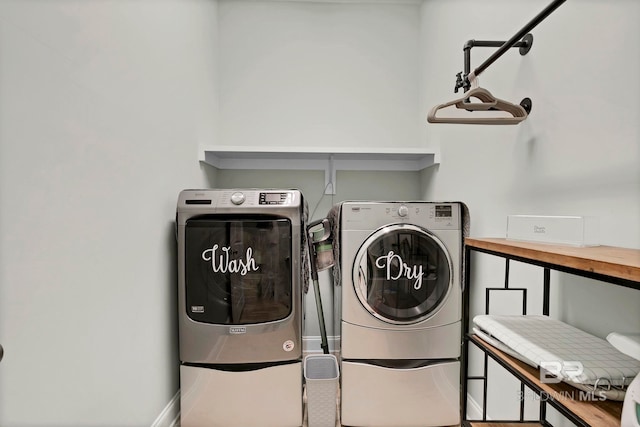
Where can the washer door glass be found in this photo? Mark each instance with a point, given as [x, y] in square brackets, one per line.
[402, 274]
[238, 271]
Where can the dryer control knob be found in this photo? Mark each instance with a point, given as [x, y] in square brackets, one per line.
[403, 211]
[237, 198]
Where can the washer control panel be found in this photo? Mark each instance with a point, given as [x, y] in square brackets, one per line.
[238, 198]
[206, 200]
[255, 199]
[278, 198]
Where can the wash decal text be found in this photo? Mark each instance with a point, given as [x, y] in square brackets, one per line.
[222, 262]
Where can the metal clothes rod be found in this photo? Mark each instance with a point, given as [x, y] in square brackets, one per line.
[509, 43]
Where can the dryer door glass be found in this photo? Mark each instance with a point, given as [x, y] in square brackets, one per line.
[402, 274]
[238, 271]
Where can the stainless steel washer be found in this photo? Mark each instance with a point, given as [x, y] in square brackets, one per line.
[240, 306]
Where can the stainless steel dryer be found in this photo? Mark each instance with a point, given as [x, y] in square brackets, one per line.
[401, 313]
[240, 307]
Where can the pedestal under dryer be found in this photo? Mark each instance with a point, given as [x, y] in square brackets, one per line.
[240, 307]
[401, 309]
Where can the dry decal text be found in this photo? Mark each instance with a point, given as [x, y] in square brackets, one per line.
[409, 273]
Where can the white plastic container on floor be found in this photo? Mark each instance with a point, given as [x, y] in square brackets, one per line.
[321, 376]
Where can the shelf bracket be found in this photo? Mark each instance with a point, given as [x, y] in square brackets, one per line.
[330, 176]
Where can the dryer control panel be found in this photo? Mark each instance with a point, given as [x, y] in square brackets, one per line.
[432, 215]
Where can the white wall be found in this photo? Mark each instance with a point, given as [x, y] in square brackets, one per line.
[102, 107]
[577, 154]
[319, 73]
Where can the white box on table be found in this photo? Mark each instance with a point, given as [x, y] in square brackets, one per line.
[564, 230]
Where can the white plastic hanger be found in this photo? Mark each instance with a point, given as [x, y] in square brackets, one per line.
[487, 102]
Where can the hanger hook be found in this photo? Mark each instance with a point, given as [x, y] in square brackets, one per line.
[459, 82]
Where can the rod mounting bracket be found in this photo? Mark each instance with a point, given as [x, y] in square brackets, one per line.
[527, 43]
[524, 45]
[522, 39]
[526, 104]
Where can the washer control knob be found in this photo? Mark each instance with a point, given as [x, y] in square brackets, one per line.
[237, 198]
[403, 211]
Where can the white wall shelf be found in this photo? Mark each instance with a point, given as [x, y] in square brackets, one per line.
[329, 160]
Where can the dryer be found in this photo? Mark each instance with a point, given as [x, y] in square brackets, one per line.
[240, 307]
[401, 310]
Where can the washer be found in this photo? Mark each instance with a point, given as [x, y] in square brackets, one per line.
[401, 309]
[240, 307]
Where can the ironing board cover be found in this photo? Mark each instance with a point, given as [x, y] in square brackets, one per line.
[540, 340]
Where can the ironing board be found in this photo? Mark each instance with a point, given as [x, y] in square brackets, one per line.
[541, 341]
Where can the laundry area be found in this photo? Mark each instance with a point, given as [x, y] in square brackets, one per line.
[310, 213]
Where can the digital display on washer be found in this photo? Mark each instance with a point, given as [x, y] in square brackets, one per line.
[444, 211]
[273, 198]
